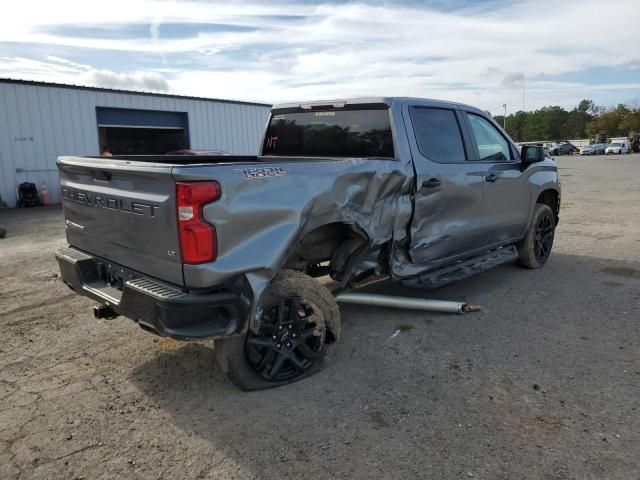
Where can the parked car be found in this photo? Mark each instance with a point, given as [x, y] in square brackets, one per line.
[228, 247]
[595, 149]
[618, 147]
[562, 148]
[588, 150]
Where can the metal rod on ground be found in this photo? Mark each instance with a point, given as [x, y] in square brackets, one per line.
[406, 302]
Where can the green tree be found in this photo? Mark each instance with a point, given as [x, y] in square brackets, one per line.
[555, 123]
[586, 106]
[631, 122]
[616, 122]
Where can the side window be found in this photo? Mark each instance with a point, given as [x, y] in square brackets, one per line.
[492, 146]
[438, 134]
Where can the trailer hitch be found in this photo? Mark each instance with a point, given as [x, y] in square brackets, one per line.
[104, 312]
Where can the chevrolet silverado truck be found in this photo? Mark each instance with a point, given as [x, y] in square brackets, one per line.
[229, 247]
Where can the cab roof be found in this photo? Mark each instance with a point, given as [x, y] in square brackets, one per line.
[341, 103]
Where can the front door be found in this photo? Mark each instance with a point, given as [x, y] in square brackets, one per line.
[447, 219]
[506, 193]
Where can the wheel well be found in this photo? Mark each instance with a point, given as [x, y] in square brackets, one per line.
[333, 243]
[551, 198]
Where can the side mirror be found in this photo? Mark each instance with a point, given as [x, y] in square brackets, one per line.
[531, 154]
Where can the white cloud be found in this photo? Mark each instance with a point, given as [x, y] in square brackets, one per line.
[340, 49]
[55, 69]
[513, 79]
[26, 68]
[146, 81]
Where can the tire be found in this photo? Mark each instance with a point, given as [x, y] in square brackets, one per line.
[299, 318]
[534, 250]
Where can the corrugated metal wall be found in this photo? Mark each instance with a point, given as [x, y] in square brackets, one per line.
[40, 122]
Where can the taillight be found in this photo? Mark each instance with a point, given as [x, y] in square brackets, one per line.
[198, 242]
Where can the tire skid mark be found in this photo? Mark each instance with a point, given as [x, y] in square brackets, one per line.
[33, 306]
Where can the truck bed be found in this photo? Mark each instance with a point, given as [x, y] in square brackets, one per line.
[183, 159]
[123, 209]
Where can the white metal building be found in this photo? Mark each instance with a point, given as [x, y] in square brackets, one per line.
[40, 121]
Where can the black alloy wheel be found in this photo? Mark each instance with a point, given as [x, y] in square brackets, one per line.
[298, 319]
[543, 238]
[288, 341]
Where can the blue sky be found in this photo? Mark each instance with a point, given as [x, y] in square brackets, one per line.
[478, 52]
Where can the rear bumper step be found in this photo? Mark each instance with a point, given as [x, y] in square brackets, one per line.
[155, 306]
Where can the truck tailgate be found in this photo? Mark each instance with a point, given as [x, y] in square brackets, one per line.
[123, 211]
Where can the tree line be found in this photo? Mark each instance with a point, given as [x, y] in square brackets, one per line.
[584, 121]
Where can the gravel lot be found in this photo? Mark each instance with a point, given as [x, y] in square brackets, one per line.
[543, 383]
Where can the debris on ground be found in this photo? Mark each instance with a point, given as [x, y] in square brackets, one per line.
[399, 329]
[394, 334]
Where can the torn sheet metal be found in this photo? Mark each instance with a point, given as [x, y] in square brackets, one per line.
[260, 220]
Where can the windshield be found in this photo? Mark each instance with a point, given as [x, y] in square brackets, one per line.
[330, 133]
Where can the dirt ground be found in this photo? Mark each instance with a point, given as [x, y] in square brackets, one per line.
[544, 383]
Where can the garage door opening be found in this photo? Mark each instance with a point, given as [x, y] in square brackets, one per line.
[141, 141]
[141, 132]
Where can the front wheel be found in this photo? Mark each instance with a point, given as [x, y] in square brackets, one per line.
[534, 250]
[299, 317]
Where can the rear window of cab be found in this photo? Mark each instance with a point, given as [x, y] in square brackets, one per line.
[357, 133]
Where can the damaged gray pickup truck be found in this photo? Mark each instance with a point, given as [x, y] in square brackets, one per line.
[228, 247]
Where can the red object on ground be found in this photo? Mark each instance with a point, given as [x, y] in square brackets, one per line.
[44, 194]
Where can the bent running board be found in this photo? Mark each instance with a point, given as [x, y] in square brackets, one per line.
[463, 269]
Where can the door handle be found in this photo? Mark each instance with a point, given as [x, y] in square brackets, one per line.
[431, 183]
[491, 178]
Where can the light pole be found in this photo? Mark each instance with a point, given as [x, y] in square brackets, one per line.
[504, 119]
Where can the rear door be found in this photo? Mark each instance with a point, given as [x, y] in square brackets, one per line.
[447, 217]
[123, 211]
[506, 190]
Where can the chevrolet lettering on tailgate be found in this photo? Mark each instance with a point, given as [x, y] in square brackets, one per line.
[112, 203]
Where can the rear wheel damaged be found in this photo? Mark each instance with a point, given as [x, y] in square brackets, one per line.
[299, 318]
